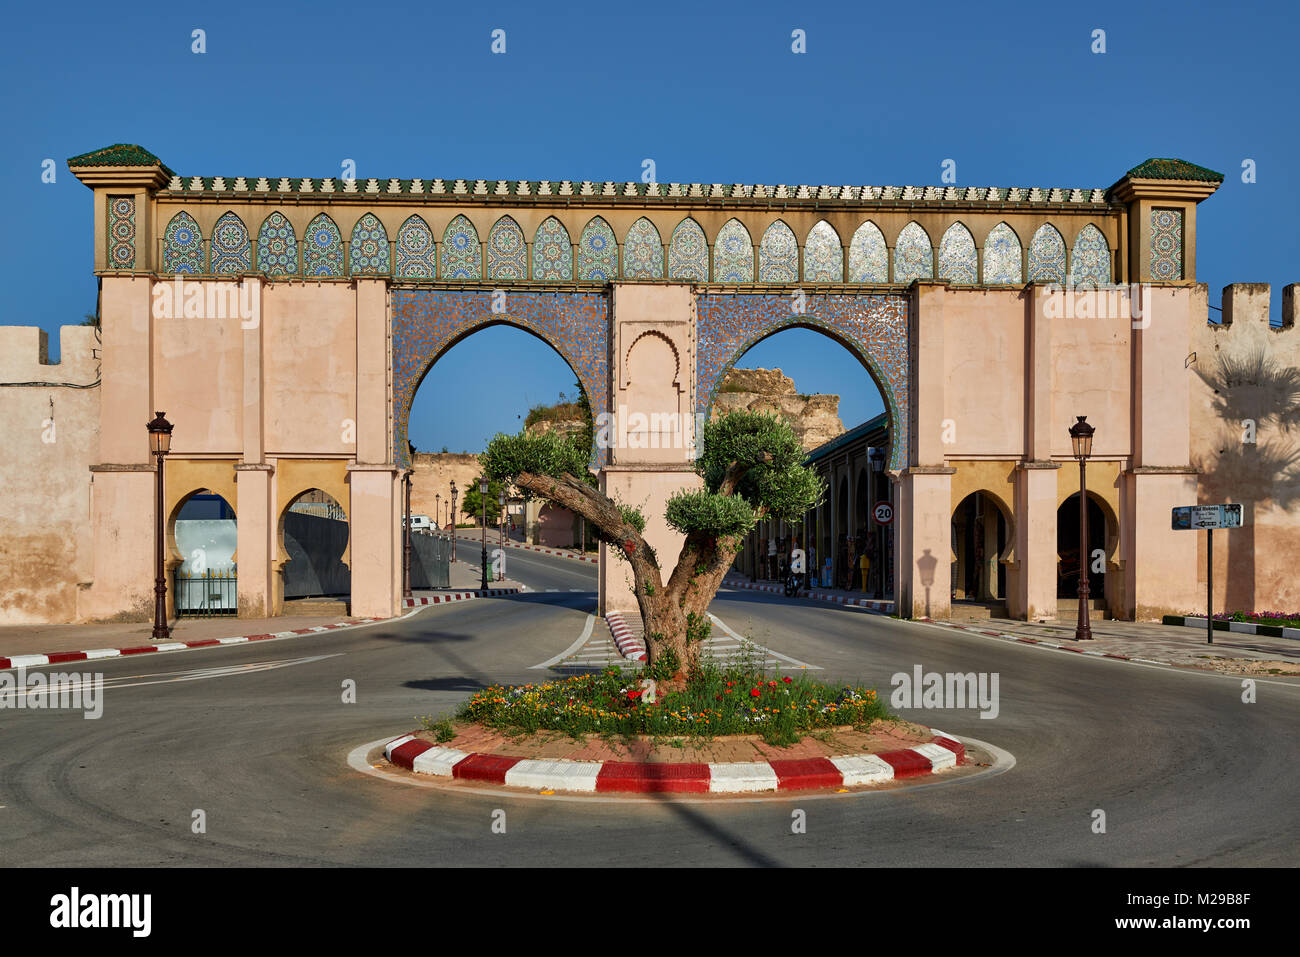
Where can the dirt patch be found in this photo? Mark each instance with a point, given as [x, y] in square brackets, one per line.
[1249, 666]
[881, 736]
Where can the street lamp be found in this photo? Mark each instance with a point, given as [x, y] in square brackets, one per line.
[452, 521]
[501, 500]
[406, 540]
[160, 443]
[1081, 441]
[437, 507]
[877, 458]
[482, 502]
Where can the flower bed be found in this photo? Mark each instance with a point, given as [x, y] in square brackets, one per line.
[1282, 618]
[718, 701]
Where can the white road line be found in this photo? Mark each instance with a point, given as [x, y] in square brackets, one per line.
[745, 642]
[573, 648]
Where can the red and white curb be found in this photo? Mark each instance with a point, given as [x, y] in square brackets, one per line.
[460, 596]
[629, 645]
[885, 606]
[853, 770]
[59, 657]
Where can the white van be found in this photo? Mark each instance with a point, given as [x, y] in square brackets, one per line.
[421, 523]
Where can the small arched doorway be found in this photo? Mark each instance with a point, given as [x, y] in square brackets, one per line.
[980, 534]
[1067, 548]
[204, 534]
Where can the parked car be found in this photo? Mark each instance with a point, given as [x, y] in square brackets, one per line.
[422, 523]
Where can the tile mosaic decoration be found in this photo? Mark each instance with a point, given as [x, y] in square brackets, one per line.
[415, 250]
[507, 252]
[688, 252]
[643, 251]
[823, 256]
[778, 255]
[462, 255]
[121, 232]
[182, 246]
[428, 322]
[1090, 258]
[913, 254]
[552, 251]
[733, 254]
[868, 255]
[957, 260]
[368, 249]
[1002, 256]
[873, 327]
[322, 248]
[231, 250]
[1166, 245]
[597, 253]
[1047, 255]
[277, 247]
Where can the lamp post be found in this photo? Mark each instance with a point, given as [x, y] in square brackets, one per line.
[437, 507]
[451, 520]
[160, 443]
[406, 539]
[501, 500]
[877, 457]
[1081, 441]
[482, 502]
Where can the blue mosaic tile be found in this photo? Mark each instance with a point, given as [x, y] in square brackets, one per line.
[1090, 258]
[322, 248]
[957, 260]
[778, 255]
[182, 246]
[231, 249]
[1047, 255]
[913, 254]
[277, 247]
[1166, 245]
[415, 250]
[597, 253]
[823, 256]
[643, 251]
[368, 248]
[552, 251]
[121, 232]
[872, 327]
[688, 253]
[868, 255]
[428, 322]
[1002, 256]
[507, 252]
[733, 254]
[462, 255]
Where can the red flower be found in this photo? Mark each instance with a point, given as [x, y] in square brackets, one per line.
[633, 695]
[754, 692]
[771, 684]
[786, 679]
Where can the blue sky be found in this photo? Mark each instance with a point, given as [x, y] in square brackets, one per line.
[711, 92]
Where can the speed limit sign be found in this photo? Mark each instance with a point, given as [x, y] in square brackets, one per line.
[883, 513]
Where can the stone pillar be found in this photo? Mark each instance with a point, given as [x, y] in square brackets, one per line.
[257, 539]
[653, 395]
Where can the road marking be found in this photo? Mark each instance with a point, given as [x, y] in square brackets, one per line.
[200, 674]
[773, 657]
[572, 649]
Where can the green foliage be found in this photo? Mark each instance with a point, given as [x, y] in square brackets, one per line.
[546, 453]
[633, 516]
[777, 478]
[442, 730]
[472, 503]
[698, 510]
[698, 627]
[717, 700]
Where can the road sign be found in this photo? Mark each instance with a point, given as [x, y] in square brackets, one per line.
[883, 513]
[1207, 516]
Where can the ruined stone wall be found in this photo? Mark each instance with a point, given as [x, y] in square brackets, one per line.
[50, 431]
[815, 418]
[432, 475]
[1245, 441]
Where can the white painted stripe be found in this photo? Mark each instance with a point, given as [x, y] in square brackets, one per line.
[863, 769]
[106, 653]
[742, 776]
[1291, 632]
[171, 646]
[554, 775]
[940, 757]
[438, 761]
[231, 641]
[27, 661]
[582, 640]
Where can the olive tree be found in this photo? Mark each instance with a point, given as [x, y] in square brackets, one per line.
[752, 468]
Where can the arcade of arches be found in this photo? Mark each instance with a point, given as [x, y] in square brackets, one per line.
[284, 324]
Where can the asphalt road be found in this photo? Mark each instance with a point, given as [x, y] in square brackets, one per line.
[257, 737]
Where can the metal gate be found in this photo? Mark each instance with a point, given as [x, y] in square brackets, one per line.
[208, 595]
[430, 560]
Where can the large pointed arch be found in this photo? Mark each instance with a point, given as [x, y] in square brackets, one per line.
[182, 245]
[873, 328]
